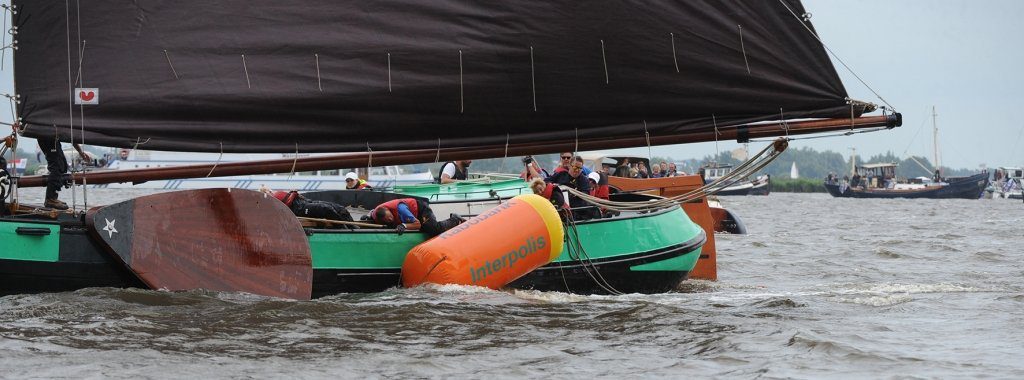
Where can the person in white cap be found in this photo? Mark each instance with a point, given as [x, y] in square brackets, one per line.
[352, 182]
[598, 185]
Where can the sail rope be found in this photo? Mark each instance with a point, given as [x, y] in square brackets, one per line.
[501, 169]
[783, 123]
[71, 97]
[173, 71]
[3, 43]
[462, 102]
[437, 157]
[744, 49]
[714, 122]
[81, 107]
[369, 159]
[647, 135]
[675, 59]
[821, 136]
[218, 160]
[245, 68]
[744, 170]
[803, 22]
[574, 247]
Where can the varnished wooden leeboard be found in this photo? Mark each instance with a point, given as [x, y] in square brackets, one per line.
[216, 239]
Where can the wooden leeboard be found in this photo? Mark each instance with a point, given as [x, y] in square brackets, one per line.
[216, 239]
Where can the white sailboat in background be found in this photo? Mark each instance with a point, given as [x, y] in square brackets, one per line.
[794, 173]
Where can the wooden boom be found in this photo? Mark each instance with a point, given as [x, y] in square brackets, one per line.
[740, 133]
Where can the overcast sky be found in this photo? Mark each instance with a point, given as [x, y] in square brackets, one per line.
[965, 57]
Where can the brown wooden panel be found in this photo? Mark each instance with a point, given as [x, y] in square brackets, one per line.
[216, 239]
[699, 212]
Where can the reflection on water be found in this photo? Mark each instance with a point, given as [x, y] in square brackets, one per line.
[819, 288]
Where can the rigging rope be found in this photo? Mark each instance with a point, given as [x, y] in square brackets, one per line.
[744, 170]
[574, 247]
[804, 24]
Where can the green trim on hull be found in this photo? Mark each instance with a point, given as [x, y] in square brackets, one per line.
[603, 239]
[685, 262]
[28, 246]
[475, 190]
[361, 249]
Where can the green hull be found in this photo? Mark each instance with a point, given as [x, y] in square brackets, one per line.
[650, 252]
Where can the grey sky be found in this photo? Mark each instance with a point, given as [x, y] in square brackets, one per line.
[964, 57]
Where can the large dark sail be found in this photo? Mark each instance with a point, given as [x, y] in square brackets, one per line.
[333, 75]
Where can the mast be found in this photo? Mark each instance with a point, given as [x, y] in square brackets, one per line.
[935, 141]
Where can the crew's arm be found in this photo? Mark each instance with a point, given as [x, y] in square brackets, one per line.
[407, 217]
[447, 172]
[81, 153]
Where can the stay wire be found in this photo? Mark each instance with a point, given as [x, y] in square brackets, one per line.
[804, 24]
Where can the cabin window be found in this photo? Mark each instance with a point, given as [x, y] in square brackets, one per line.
[331, 172]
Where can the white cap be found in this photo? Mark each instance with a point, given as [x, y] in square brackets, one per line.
[594, 176]
[351, 175]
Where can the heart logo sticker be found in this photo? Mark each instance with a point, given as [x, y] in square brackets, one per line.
[87, 96]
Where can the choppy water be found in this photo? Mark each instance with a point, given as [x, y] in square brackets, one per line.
[820, 288]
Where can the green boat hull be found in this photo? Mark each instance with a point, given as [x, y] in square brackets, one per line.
[642, 252]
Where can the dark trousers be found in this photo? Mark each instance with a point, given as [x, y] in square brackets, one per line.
[56, 164]
[320, 210]
[429, 223]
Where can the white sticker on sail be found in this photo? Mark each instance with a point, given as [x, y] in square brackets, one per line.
[87, 96]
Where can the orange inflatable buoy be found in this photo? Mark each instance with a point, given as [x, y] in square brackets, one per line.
[491, 249]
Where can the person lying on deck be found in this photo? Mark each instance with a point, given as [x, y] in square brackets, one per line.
[308, 208]
[412, 214]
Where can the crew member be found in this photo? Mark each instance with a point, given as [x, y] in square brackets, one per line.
[453, 171]
[599, 185]
[57, 166]
[565, 163]
[551, 192]
[413, 214]
[352, 182]
[575, 179]
[308, 208]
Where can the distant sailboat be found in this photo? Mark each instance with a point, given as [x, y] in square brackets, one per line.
[793, 172]
[879, 180]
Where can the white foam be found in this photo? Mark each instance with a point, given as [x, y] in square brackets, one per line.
[917, 289]
[888, 300]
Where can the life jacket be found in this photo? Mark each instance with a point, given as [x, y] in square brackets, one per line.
[360, 185]
[392, 207]
[286, 196]
[459, 174]
[555, 199]
[601, 190]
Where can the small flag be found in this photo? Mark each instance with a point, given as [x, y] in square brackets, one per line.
[87, 96]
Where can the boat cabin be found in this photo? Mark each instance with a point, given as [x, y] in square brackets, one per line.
[880, 175]
[713, 171]
[1006, 172]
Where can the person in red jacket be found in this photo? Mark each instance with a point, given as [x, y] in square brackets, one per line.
[413, 214]
[599, 185]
